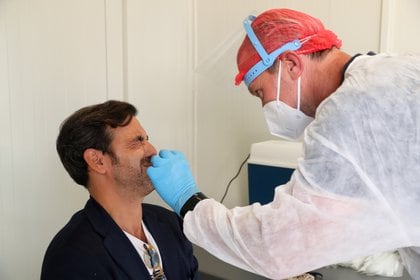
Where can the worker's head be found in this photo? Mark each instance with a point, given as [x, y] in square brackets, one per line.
[282, 41]
[106, 139]
[273, 30]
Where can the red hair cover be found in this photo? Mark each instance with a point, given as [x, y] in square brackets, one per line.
[276, 27]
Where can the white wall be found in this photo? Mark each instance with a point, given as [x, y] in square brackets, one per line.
[400, 22]
[174, 60]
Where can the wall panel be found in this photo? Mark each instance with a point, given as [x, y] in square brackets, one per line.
[400, 26]
[159, 83]
[52, 61]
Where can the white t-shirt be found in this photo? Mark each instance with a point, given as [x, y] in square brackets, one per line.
[144, 255]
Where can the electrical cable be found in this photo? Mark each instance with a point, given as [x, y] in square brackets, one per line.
[234, 177]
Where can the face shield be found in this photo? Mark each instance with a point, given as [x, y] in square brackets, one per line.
[224, 109]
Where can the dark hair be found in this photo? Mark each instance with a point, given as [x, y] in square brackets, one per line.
[89, 128]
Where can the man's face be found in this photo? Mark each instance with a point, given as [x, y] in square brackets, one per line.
[131, 157]
[264, 87]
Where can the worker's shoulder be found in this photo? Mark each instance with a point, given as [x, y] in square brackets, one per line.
[383, 67]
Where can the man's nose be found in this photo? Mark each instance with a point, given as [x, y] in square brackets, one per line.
[150, 150]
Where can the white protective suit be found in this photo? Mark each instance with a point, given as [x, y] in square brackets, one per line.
[356, 190]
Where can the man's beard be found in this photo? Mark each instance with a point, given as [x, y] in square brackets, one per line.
[131, 180]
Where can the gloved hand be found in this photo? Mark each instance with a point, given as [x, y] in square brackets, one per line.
[171, 176]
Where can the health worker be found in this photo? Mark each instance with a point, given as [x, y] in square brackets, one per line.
[356, 189]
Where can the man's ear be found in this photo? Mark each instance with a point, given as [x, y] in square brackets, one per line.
[95, 160]
[293, 63]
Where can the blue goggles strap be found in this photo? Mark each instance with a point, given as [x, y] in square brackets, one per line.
[266, 59]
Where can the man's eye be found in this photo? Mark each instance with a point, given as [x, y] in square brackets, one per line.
[143, 138]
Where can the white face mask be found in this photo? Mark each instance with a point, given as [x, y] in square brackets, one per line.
[283, 120]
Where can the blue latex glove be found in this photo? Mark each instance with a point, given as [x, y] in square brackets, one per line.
[171, 176]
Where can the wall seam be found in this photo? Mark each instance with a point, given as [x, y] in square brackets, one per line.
[106, 50]
[386, 25]
[124, 49]
[193, 66]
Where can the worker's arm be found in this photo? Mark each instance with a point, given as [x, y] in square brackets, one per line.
[295, 233]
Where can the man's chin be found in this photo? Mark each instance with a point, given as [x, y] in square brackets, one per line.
[148, 189]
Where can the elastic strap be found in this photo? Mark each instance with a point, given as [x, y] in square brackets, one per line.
[266, 59]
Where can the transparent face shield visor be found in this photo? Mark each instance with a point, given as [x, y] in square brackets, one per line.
[215, 65]
[218, 65]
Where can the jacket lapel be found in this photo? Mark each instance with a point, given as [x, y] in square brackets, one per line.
[164, 238]
[118, 245]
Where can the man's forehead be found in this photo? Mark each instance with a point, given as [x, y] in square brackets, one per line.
[133, 128]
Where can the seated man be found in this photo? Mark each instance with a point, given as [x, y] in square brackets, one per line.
[105, 149]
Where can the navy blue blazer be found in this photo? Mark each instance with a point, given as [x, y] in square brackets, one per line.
[92, 246]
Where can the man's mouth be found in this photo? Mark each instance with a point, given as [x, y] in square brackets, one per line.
[146, 162]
